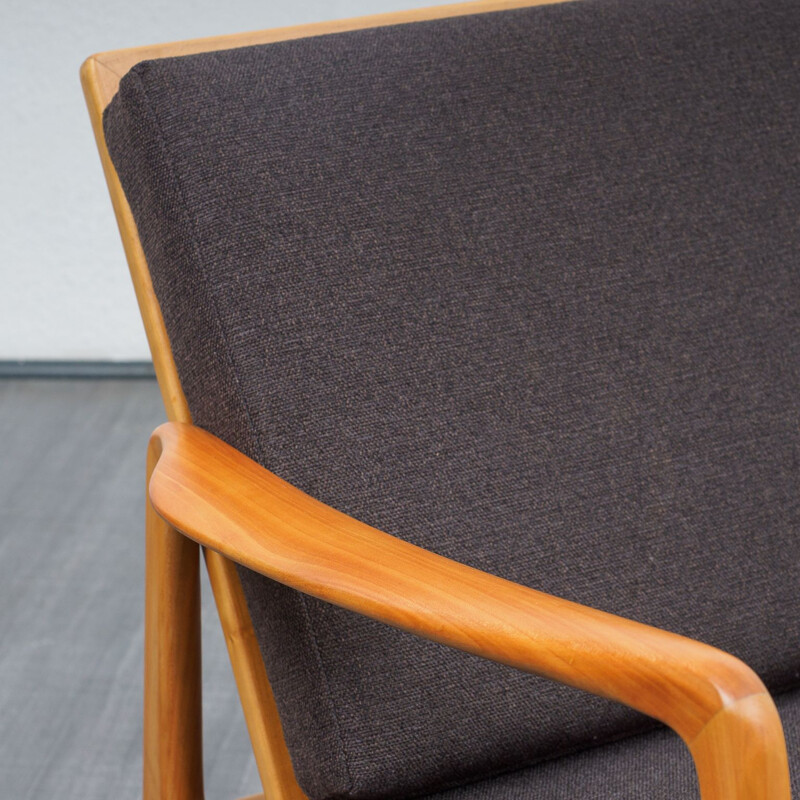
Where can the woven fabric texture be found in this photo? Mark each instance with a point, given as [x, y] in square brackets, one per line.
[521, 288]
[653, 766]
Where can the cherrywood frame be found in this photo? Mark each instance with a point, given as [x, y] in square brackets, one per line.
[719, 707]
[204, 489]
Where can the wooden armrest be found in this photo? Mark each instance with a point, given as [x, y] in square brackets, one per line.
[719, 707]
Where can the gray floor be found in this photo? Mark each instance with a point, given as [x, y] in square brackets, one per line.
[71, 599]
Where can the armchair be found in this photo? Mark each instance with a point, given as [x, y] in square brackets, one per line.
[518, 285]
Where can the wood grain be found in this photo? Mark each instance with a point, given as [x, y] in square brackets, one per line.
[260, 711]
[718, 706]
[173, 723]
[95, 86]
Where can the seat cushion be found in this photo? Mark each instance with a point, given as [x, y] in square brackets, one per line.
[519, 287]
[652, 766]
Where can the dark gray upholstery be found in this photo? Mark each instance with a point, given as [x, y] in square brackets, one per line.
[521, 288]
[653, 766]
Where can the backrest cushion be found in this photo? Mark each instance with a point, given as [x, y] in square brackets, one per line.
[520, 287]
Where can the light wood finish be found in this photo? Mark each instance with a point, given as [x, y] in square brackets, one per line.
[100, 76]
[717, 704]
[173, 742]
[738, 747]
[95, 89]
[258, 702]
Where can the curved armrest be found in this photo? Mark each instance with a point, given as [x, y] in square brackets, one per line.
[719, 707]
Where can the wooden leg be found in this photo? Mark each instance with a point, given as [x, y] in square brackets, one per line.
[173, 743]
[258, 703]
[740, 754]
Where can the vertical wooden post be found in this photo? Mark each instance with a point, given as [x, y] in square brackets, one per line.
[173, 738]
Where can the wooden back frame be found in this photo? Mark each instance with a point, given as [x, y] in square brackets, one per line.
[173, 759]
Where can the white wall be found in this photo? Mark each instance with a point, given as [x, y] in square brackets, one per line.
[64, 287]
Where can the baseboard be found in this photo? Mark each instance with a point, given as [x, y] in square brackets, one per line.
[77, 369]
